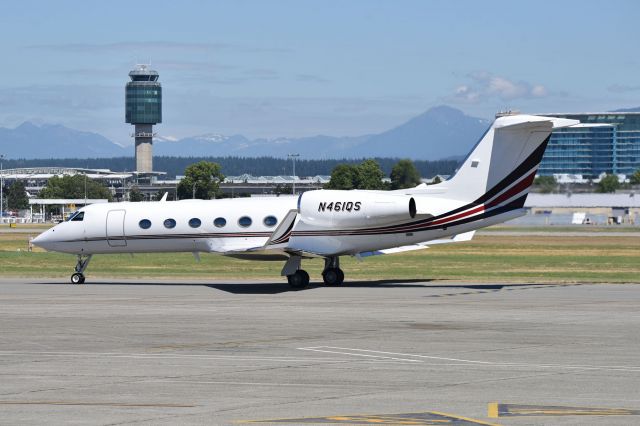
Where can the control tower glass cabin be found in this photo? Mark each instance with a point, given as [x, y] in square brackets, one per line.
[143, 97]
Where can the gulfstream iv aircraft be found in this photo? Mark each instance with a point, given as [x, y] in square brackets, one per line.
[490, 187]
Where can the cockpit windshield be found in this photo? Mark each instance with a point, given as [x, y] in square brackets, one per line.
[76, 217]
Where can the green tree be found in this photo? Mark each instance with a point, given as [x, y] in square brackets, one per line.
[436, 180]
[370, 175]
[343, 176]
[203, 179]
[135, 194]
[285, 188]
[404, 175]
[74, 187]
[635, 178]
[366, 175]
[609, 183]
[547, 184]
[17, 196]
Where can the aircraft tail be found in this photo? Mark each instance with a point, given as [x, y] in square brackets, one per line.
[504, 162]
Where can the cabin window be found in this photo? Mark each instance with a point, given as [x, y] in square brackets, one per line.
[77, 217]
[169, 223]
[195, 222]
[244, 221]
[144, 224]
[220, 222]
[270, 221]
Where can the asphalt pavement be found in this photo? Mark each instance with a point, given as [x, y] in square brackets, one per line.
[115, 352]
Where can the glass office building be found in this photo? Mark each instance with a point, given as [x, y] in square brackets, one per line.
[605, 142]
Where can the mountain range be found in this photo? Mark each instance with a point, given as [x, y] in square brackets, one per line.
[441, 132]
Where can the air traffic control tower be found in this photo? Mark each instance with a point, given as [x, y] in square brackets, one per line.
[143, 96]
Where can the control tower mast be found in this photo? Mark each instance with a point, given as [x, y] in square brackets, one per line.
[143, 97]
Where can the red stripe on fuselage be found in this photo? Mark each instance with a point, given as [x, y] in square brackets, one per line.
[524, 184]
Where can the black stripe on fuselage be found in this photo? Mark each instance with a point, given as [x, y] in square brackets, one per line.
[174, 236]
[529, 163]
[513, 205]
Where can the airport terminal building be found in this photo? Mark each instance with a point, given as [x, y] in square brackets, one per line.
[603, 142]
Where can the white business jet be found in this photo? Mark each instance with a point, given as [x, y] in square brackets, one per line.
[489, 188]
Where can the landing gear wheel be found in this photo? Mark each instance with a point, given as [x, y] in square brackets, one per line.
[81, 265]
[77, 278]
[333, 276]
[298, 280]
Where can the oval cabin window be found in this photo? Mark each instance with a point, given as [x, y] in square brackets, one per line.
[270, 221]
[244, 221]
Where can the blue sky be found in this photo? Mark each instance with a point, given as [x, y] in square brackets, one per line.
[296, 68]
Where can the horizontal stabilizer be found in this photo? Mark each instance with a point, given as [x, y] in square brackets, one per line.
[459, 238]
[467, 236]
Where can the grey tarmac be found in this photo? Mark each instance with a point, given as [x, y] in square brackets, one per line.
[116, 352]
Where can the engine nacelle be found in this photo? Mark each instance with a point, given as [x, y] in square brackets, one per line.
[329, 208]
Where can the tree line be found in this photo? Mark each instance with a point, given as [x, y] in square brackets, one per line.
[609, 183]
[234, 166]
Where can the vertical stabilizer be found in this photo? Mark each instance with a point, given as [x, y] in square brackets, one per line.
[504, 162]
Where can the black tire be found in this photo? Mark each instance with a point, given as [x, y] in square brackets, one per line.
[305, 277]
[299, 280]
[330, 276]
[333, 276]
[77, 278]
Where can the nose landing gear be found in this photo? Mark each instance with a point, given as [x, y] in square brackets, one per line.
[78, 276]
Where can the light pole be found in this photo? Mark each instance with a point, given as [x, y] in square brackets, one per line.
[193, 191]
[293, 158]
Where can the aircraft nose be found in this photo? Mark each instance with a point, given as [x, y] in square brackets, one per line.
[43, 240]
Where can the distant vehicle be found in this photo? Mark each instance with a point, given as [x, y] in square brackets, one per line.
[490, 187]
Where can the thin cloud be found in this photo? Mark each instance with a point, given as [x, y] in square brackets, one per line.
[261, 74]
[154, 45]
[60, 97]
[484, 86]
[620, 88]
[309, 78]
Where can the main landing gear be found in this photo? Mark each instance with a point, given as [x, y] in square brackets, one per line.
[78, 276]
[299, 279]
[332, 274]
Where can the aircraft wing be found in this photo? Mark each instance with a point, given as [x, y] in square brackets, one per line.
[281, 235]
[467, 236]
[275, 247]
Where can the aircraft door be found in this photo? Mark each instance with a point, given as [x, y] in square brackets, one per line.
[115, 228]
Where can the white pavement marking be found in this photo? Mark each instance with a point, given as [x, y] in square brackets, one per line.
[169, 356]
[305, 385]
[358, 352]
[317, 349]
